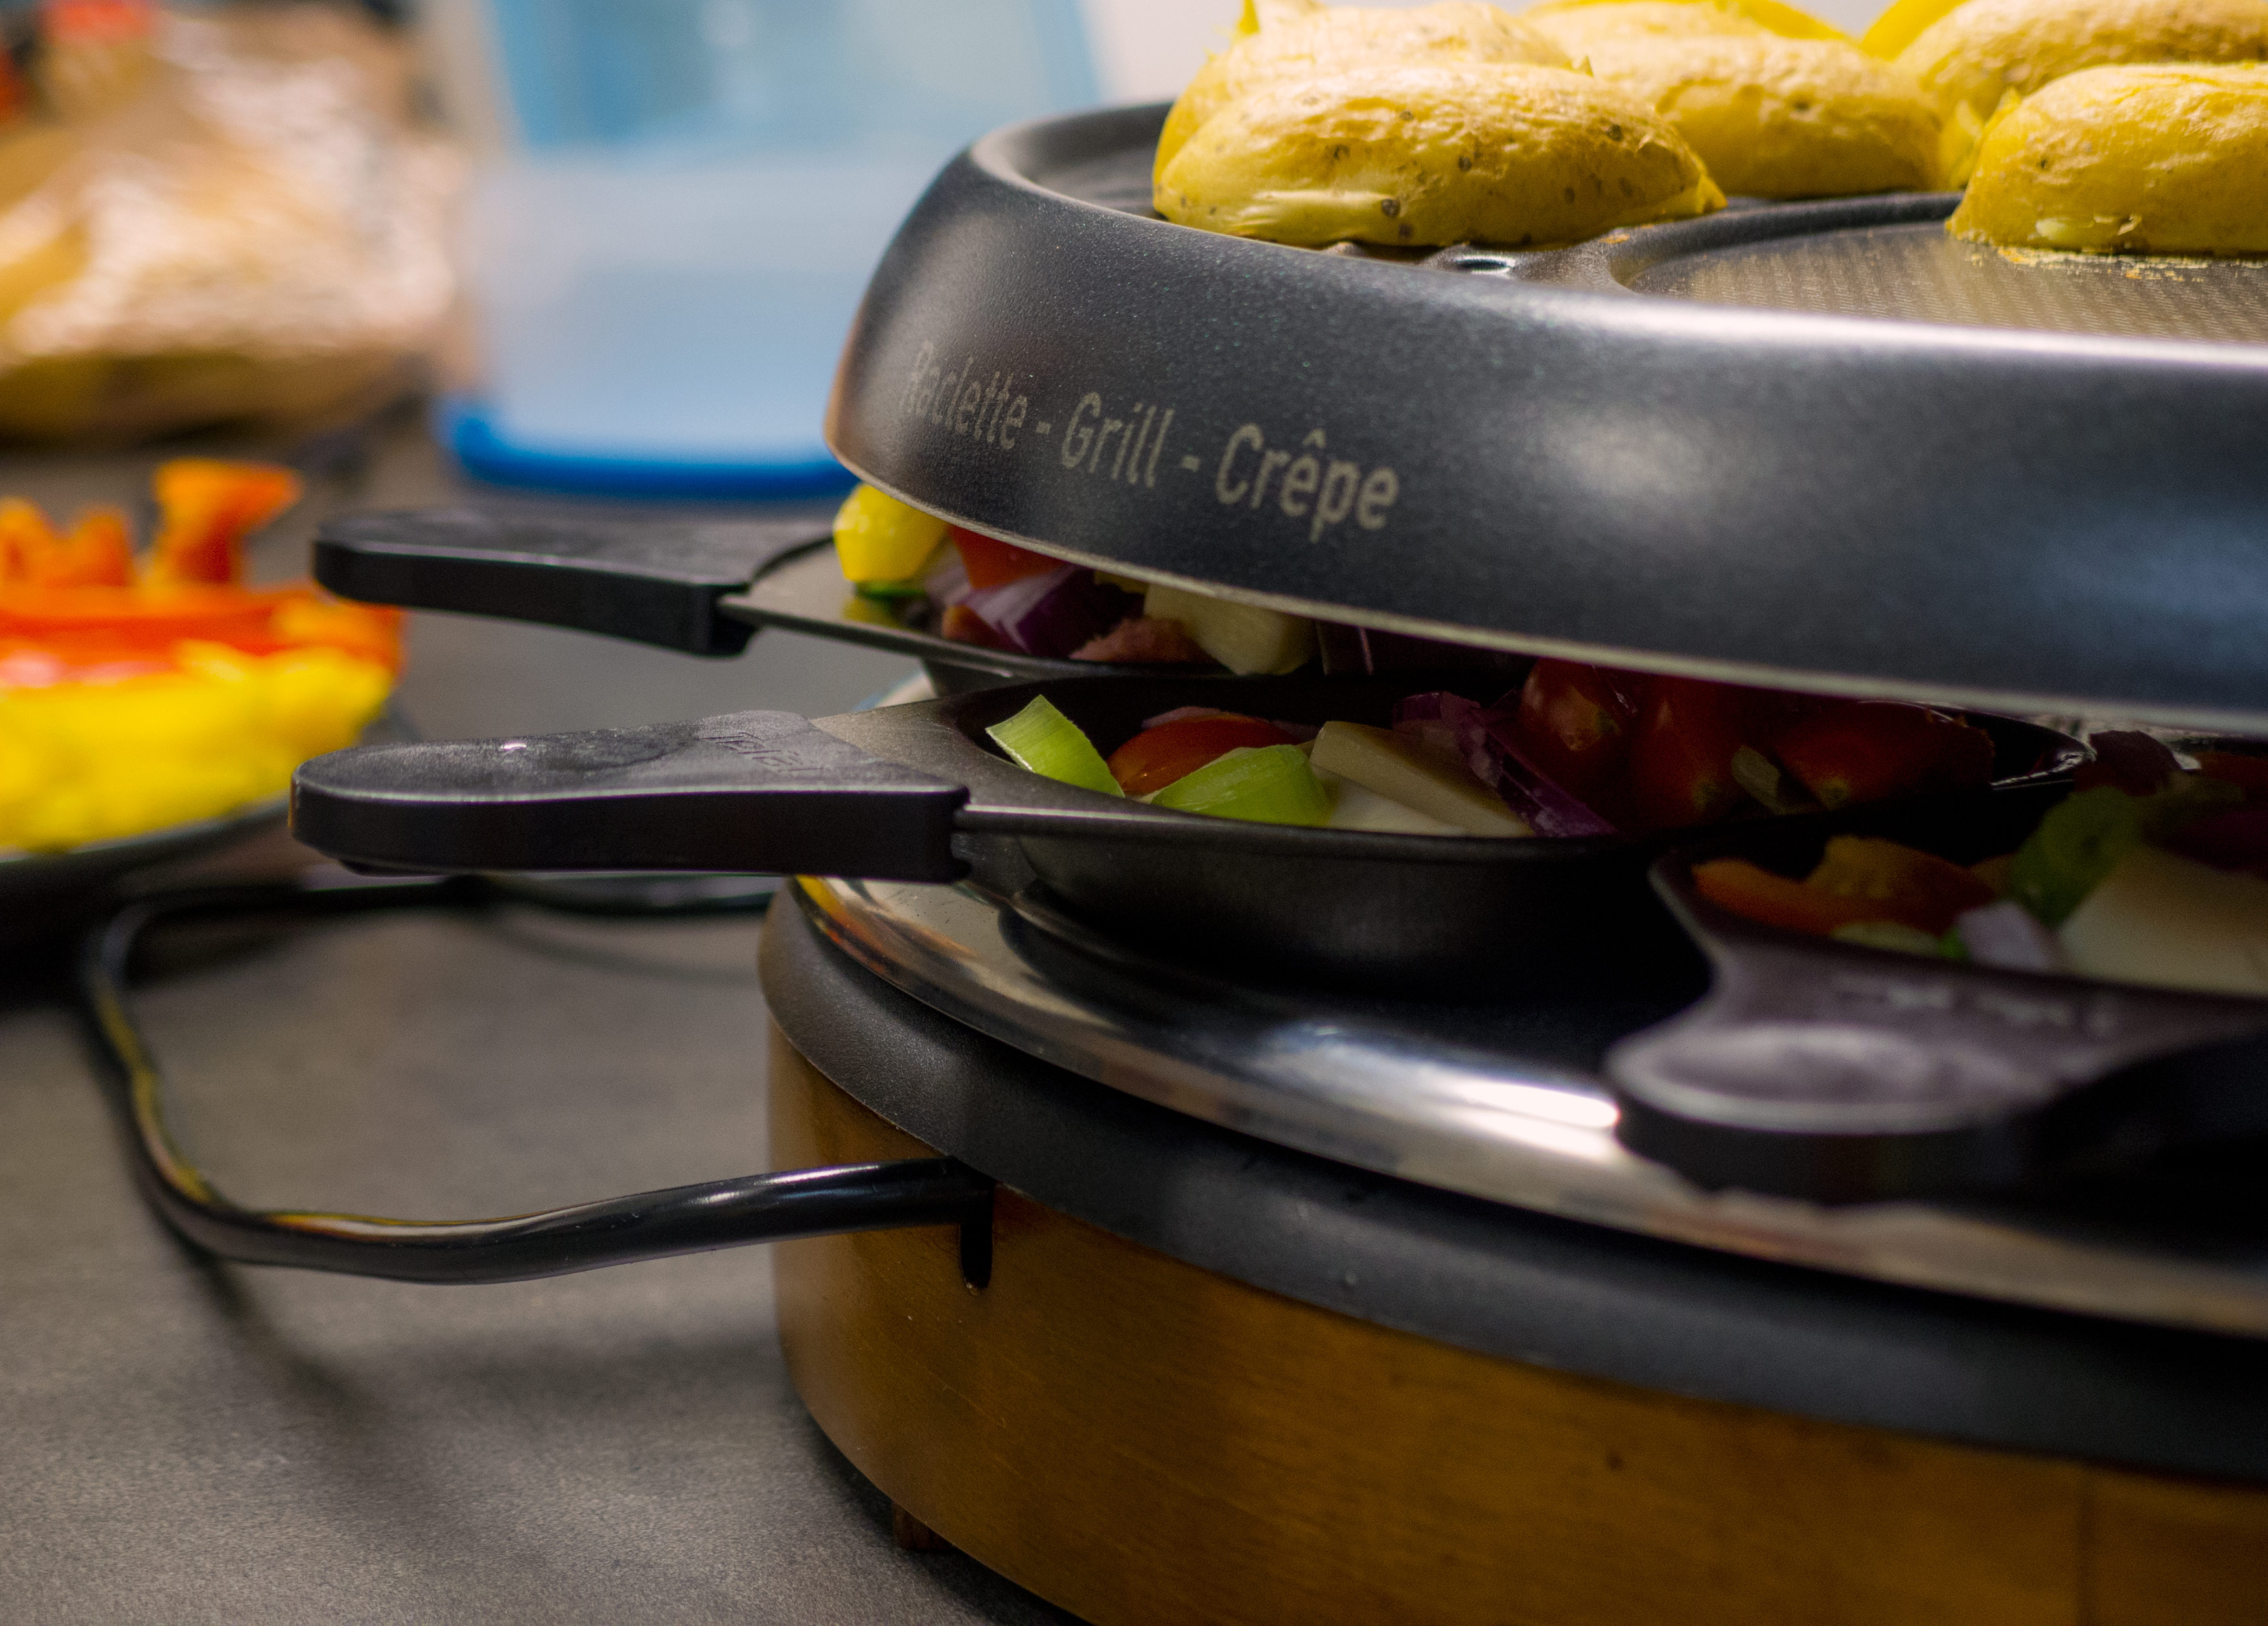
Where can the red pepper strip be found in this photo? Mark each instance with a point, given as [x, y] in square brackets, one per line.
[208, 508]
[1863, 751]
[2248, 774]
[219, 612]
[1155, 758]
[1681, 760]
[991, 563]
[1898, 882]
[1575, 721]
[258, 621]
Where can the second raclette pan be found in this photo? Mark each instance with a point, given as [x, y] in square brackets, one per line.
[890, 794]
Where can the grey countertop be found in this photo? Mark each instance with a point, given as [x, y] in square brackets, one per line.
[182, 1441]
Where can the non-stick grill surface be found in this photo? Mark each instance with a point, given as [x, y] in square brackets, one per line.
[1919, 500]
[1919, 273]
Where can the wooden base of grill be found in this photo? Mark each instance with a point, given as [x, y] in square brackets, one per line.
[1141, 1441]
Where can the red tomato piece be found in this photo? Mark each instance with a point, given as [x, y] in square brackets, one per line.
[2248, 774]
[1681, 756]
[991, 563]
[1155, 758]
[1575, 721]
[1866, 751]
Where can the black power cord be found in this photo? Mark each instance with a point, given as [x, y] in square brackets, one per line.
[758, 1208]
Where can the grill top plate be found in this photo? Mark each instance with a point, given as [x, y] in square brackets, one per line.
[1834, 449]
[1918, 272]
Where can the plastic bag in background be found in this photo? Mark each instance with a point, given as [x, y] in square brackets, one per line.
[225, 216]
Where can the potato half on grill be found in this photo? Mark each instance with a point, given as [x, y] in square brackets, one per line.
[1577, 25]
[2167, 160]
[1774, 117]
[1982, 52]
[1432, 154]
[1299, 39]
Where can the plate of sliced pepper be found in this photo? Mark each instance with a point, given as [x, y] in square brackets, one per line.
[151, 701]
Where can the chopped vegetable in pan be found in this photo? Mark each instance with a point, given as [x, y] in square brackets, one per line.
[1576, 752]
[1268, 784]
[2145, 874]
[1046, 741]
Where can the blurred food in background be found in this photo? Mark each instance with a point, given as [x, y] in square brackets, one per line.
[219, 215]
[140, 693]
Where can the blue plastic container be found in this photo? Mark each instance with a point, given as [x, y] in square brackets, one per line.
[666, 253]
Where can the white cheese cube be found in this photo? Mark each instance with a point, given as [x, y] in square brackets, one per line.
[2168, 922]
[1402, 770]
[1243, 637]
[1357, 807]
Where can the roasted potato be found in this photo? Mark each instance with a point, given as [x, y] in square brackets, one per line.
[1432, 154]
[1980, 54]
[2170, 158]
[1775, 117]
[1576, 26]
[1299, 39]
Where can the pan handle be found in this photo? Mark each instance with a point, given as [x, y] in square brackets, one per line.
[647, 580]
[1842, 1074]
[748, 791]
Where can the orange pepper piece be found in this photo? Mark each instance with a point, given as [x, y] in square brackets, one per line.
[1749, 890]
[208, 508]
[1902, 883]
[1861, 879]
[25, 539]
[98, 553]
[371, 631]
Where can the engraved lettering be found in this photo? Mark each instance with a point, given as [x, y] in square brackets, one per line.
[1013, 419]
[1133, 452]
[1378, 494]
[1270, 462]
[1111, 426]
[1301, 479]
[1192, 462]
[1249, 434]
[927, 354]
[970, 395]
[1340, 482]
[1149, 475]
[1077, 436]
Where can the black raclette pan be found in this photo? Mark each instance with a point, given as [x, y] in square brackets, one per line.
[888, 794]
[1836, 1072]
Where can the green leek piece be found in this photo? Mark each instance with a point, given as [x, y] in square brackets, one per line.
[2080, 842]
[1046, 741]
[1268, 784]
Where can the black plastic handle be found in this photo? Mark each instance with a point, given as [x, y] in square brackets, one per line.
[649, 581]
[1841, 1074]
[752, 790]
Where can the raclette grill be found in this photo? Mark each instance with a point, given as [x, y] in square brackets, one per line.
[1813, 446]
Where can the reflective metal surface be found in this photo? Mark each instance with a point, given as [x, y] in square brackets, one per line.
[1500, 1103]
